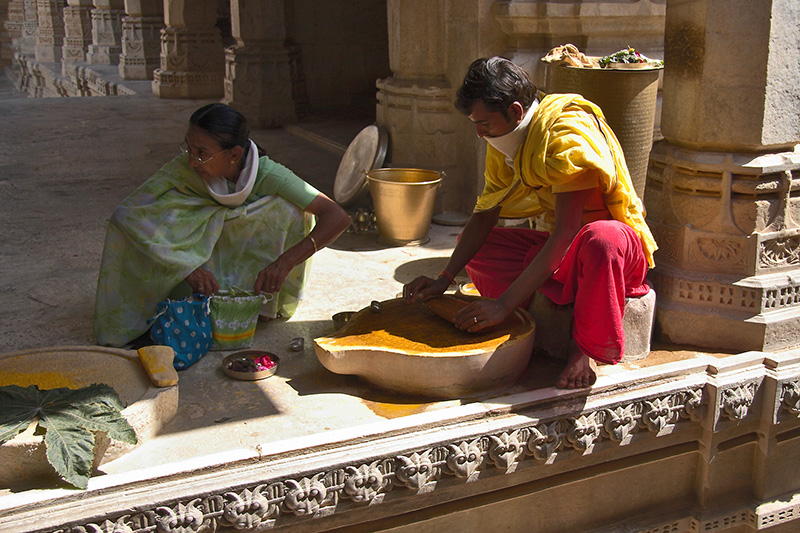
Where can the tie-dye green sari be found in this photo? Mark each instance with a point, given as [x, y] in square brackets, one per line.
[171, 225]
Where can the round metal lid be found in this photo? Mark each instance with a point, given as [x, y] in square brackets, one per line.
[366, 151]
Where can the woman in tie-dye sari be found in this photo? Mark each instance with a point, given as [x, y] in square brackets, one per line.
[217, 216]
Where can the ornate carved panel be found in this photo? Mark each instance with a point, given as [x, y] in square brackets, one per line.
[789, 397]
[736, 401]
[77, 33]
[141, 47]
[780, 252]
[106, 36]
[264, 505]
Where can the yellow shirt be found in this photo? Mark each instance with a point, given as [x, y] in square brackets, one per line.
[569, 147]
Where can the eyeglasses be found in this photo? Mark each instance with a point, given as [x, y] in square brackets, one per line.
[185, 150]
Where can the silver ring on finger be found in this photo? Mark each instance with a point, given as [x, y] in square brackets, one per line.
[475, 319]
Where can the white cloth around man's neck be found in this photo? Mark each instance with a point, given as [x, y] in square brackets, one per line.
[218, 187]
[509, 143]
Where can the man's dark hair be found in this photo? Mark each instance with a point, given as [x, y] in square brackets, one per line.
[498, 83]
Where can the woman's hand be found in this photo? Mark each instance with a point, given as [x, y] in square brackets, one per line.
[202, 281]
[481, 315]
[423, 288]
[271, 278]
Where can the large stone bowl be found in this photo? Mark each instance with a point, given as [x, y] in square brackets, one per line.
[22, 459]
[409, 350]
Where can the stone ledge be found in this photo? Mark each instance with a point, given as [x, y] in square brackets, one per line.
[648, 418]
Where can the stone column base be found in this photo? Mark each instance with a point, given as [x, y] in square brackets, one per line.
[141, 47]
[183, 84]
[265, 85]
[77, 36]
[191, 64]
[106, 31]
[717, 311]
[728, 230]
[50, 34]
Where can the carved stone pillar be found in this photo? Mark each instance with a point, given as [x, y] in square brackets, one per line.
[77, 32]
[192, 59]
[141, 39]
[6, 51]
[30, 28]
[14, 23]
[415, 104]
[106, 44]
[50, 33]
[723, 193]
[262, 75]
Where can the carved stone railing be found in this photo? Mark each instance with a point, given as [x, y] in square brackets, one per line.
[686, 420]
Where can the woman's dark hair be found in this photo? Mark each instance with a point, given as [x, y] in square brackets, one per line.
[225, 124]
[498, 83]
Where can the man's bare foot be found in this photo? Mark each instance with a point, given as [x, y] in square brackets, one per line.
[580, 370]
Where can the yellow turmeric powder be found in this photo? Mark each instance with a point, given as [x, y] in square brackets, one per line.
[412, 328]
[45, 380]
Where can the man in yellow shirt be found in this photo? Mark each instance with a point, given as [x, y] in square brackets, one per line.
[557, 157]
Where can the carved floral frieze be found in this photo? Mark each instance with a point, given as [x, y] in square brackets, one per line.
[790, 398]
[736, 401]
[262, 506]
[780, 252]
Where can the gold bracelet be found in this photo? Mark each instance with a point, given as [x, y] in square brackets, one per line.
[313, 242]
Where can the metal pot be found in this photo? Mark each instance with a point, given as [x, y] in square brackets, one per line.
[404, 200]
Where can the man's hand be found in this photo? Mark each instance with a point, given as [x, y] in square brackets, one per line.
[481, 315]
[202, 281]
[423, 288]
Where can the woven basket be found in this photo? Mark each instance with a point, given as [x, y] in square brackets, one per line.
[628, 98]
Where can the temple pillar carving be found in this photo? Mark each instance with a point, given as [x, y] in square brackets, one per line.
[723, 189]
[14, 23]
[106, 44]
[77, 32]
[30, 28]
[415, 104]
[141, 39]
[6, 50]
[263, 79]
[192, 59]
[50, 30]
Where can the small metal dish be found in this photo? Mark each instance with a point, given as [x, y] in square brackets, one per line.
[249, 376]
[340, 319]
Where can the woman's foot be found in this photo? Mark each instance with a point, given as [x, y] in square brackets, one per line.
[580, 370]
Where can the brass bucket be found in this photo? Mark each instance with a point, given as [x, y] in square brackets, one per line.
[628, 98]
[403, 200]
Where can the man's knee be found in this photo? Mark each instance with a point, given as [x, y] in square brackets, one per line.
[599, 241]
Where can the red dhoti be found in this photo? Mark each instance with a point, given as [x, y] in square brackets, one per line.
[603, 265]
